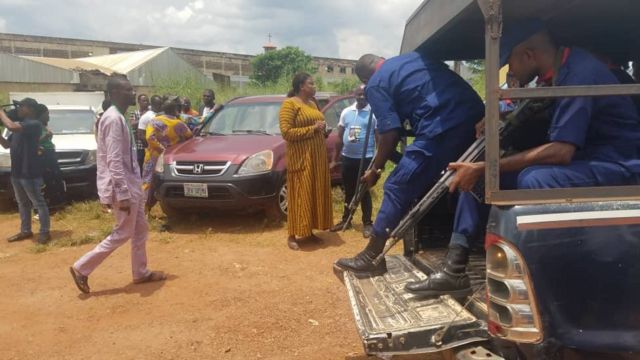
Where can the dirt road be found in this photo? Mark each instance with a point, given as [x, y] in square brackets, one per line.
[235, 291]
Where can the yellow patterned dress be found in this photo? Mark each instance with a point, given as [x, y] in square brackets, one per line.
[308, 179]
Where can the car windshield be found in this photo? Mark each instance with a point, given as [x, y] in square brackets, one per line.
[246, 118]
[71, 121]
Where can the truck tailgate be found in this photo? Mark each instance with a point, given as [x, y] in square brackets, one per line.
[392, 321]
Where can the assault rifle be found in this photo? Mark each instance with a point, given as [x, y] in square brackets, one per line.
[528, 123]
[361, 189]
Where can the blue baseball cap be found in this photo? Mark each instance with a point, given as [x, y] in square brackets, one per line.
[516, 33]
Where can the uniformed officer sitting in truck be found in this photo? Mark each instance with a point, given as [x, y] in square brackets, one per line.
[592, 141]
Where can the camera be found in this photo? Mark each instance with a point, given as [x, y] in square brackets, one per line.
[12, 112]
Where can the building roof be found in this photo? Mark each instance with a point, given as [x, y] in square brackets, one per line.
[70, 64]
[142, 68]
[124, 62]
[22, 69]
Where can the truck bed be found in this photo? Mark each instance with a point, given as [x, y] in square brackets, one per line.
[391, 321]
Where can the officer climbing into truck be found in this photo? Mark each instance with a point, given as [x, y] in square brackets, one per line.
[442, 110]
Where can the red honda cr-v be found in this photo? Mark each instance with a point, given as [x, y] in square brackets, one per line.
[237, 162]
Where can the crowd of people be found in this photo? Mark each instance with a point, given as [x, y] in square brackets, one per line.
[127, 150]
[590, 142]
[125, 187]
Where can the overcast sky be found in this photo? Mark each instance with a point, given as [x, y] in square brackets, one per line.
[330, 28]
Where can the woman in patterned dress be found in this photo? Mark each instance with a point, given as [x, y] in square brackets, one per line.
[309, 185]
[162, 132]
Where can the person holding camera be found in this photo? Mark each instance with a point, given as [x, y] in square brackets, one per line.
[308, 182]
[26, 167]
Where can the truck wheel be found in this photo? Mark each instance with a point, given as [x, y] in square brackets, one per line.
[169, 210]
[277, 211]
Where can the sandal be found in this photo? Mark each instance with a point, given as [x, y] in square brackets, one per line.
[293, 244]
[82, 282]
[151, 277]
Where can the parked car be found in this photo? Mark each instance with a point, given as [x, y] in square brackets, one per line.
[73, 136]
[237, 162]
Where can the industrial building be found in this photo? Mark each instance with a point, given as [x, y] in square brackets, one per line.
[223, 68]
[144, 69]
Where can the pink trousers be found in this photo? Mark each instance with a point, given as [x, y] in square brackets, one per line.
[128, 226]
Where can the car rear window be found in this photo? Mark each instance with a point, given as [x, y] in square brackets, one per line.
[236, 118]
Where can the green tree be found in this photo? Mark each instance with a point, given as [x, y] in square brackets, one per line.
[478, 83]
[270, 67]
[476, 66]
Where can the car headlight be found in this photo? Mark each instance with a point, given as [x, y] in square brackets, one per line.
[160, 164]
[91, 158]
[257, 163]
[5, 160]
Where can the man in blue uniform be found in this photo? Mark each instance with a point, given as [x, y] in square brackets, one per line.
[591, 142]
[442, 110]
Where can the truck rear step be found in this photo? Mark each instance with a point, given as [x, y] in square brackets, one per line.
[392, 321]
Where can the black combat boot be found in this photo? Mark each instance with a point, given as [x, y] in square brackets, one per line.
[452, 279]
[362, 264]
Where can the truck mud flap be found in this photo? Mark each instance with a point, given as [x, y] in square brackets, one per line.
[391, 321]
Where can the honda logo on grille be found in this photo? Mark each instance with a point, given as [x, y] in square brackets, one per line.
[198, 168]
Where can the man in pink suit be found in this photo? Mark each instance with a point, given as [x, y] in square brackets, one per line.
[120, 189]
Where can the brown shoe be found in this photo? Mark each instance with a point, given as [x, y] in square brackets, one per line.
[82, 282]
[152, 276]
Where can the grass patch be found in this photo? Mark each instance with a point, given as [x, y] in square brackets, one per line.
[78, 224]
[164, 238]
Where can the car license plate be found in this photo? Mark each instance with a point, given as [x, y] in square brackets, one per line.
[196, 190]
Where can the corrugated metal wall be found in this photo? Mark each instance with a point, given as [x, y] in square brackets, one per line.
[19, 70]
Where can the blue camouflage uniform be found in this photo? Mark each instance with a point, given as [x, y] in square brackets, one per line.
[442, 110]
[605, 131]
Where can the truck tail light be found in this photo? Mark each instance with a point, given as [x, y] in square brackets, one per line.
[513, 313]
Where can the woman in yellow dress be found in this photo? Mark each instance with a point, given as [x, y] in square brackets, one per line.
[162, 132]
[309, 185]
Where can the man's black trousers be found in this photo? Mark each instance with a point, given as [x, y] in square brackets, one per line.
[350, 167]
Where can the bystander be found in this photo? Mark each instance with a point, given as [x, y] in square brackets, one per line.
[26, 168]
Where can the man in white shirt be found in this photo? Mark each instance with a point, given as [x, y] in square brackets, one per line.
[352, 131]
[208, 103]
[156, 106]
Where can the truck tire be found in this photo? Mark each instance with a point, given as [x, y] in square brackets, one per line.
[277, 211]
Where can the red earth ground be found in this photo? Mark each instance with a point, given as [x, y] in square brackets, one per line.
[235, 291]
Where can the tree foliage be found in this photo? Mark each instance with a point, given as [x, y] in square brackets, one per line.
[476, 66]
[270, 67]
[345, 86]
